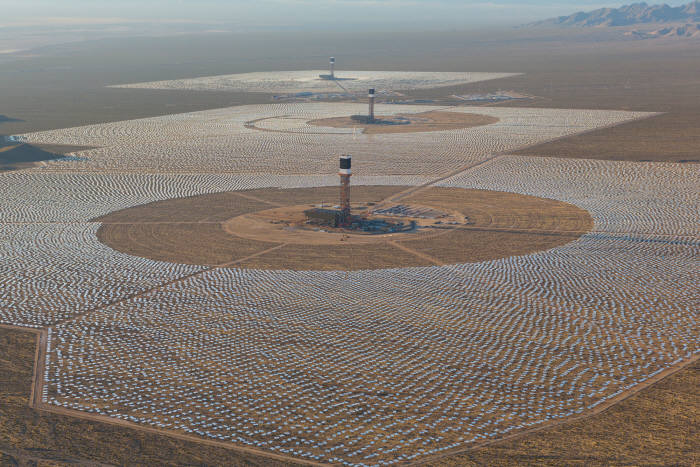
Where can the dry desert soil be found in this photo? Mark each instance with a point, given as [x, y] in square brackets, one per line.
[421, 122]
[197, 230]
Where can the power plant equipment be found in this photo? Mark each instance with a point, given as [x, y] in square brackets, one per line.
[370, 116]
[345, 173]
[331, 76]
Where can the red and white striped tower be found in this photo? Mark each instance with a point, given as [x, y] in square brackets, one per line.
[345, 173]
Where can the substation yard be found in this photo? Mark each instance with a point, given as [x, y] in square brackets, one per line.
[574, 284]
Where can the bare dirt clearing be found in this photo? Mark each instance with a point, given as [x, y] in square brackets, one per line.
[205, 230]
[421, 122]
[672, 137]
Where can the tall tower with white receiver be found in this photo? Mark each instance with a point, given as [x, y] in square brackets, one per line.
[345, 173]
[370, 116]
[332, 64]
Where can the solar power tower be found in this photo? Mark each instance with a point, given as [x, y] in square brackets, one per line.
[345, 172]
[370, 116]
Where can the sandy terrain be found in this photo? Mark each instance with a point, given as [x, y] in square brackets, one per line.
[670, 137]
[428, 121]
[222, 228]
[657, 426]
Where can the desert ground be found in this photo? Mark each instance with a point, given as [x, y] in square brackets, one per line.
[564, 306]
[205, 230]
[422, 122]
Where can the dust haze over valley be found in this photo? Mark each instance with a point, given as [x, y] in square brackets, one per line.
[158, 308]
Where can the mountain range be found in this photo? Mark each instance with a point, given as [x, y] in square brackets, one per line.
[629, 15]
[684, 30]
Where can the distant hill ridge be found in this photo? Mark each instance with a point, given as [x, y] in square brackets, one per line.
[628, 15]
[686, 30]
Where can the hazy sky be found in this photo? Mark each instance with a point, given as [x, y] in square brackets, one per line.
[299, 14]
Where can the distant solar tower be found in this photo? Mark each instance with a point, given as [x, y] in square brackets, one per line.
[332, 67]
[345, 172]
[370, 116]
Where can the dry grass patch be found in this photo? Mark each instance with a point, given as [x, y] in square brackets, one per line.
[333, 258]
[204, 244]
[501, 210]
[657, 426]
[485, 245]
[205, 208]
[670, 137]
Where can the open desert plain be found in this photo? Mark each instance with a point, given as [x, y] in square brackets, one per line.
[165, 299]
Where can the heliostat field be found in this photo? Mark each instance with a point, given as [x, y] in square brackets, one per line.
[359, 366]
[308, 81]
